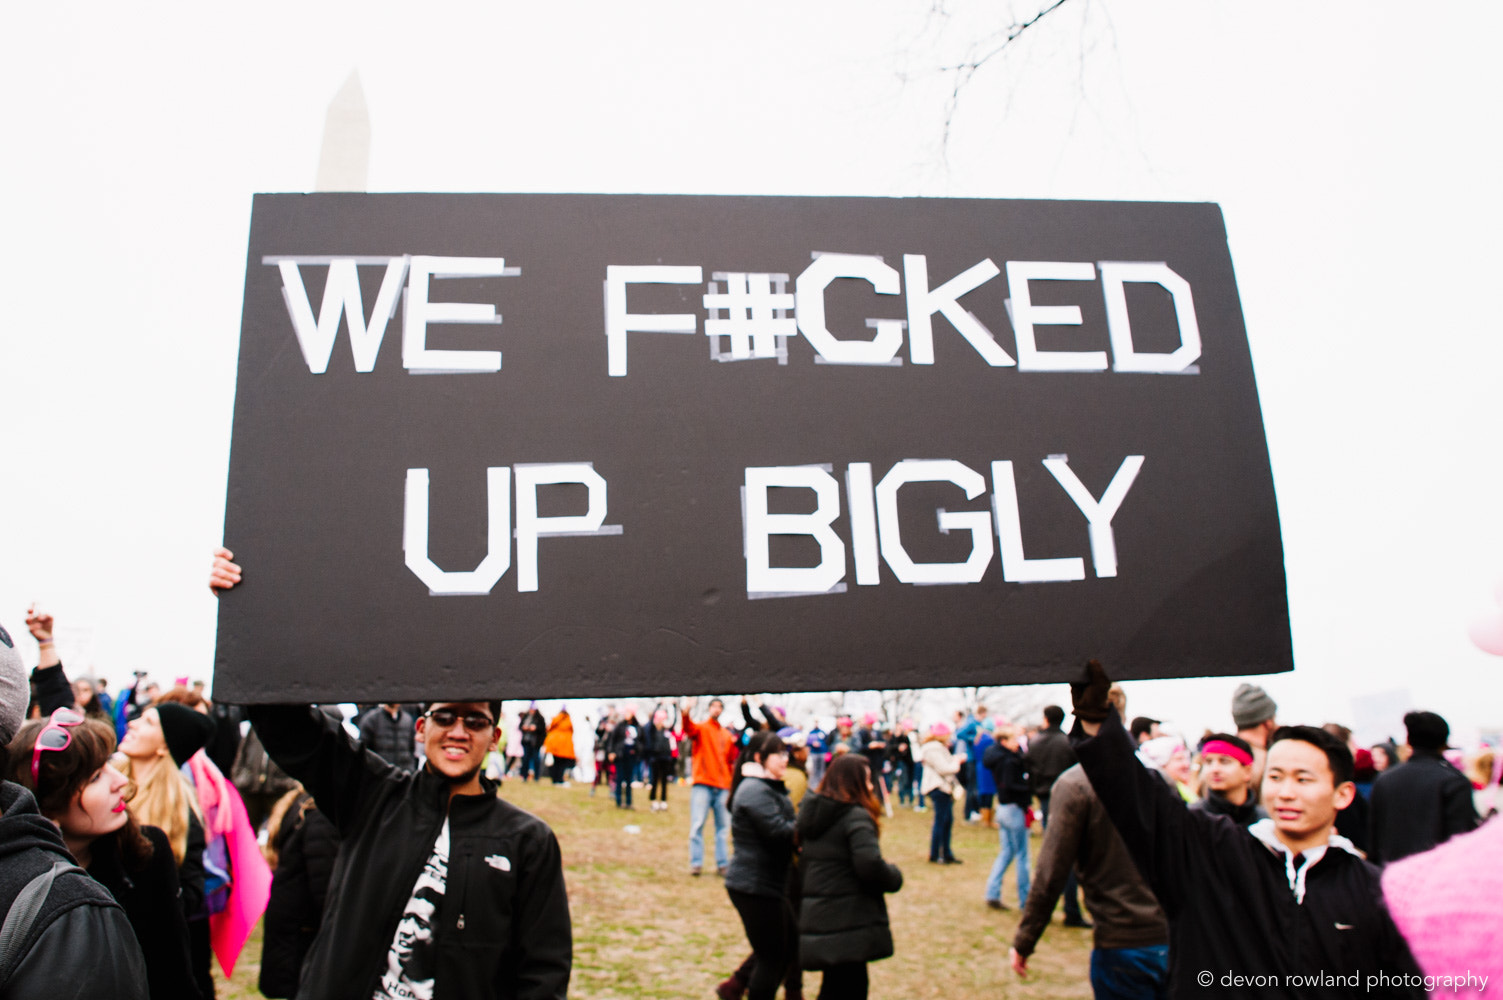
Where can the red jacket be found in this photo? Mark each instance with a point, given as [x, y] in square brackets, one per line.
[714, 752]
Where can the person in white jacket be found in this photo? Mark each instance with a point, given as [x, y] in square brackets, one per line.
[940, 769]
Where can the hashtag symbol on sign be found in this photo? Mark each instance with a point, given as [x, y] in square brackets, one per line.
[755, 313]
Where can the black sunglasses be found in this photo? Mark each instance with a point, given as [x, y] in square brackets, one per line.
[475, 722]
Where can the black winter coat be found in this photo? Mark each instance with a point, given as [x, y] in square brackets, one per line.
[1422, 802]
[307, 845]
[1010, 774]
[762, 831]
[150, 899]
[1049, 755]
[843, 916]
[502, 928]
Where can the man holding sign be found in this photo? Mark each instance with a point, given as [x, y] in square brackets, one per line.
[440, 888]
[1274, 909]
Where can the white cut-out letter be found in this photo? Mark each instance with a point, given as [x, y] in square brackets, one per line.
[924, 302]
[1016, 568]
[1098, 514]
[761, 576]
[978, 522]
[416, 356]
[809, 309]
[341, 298]
[1026, 315]
[531, 527]
[619, 322]
[497, 559]
[858, 491]
[1124, 357]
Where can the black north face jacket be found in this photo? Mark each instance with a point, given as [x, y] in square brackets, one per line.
[1238, 904]
[503, 927]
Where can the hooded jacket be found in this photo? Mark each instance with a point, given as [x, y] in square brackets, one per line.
[1238, 901]
[843, 916]
[502, 928]
[80, 944]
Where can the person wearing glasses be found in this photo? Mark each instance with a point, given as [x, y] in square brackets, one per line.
[65, 762]
[75, 939]
[440, 887]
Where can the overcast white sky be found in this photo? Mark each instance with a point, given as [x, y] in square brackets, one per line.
[1351, 146]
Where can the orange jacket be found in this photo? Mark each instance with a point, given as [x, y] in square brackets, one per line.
[560, 738]
[714, 752]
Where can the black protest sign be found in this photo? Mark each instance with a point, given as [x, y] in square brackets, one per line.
[577, 445]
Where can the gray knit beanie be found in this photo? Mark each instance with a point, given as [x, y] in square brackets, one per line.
[1251, 705]
[15, 692]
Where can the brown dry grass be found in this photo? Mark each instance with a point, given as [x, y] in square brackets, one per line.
[643, 928]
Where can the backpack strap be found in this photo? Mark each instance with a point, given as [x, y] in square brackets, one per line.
[23, 914]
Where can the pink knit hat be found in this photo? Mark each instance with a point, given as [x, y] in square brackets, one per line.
[939, 729]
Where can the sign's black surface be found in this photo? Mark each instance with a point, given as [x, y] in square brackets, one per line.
[572, 445]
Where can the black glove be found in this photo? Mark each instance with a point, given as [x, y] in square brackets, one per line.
[1088, 697]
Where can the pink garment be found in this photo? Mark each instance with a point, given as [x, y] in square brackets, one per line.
[250, 878]
[1448, 904]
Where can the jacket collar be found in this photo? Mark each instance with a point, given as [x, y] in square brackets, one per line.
[1264, 831]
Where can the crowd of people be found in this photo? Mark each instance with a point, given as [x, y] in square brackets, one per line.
[130, 830]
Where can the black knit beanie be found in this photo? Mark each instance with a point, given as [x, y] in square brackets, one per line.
[185, 730]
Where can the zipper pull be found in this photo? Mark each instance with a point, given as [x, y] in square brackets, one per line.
[460, 925]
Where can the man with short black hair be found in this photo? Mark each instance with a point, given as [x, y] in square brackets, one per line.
[714, 753]
[1144, 729]
[1423, 801]
[1226, 764]
[440, 887]
[1284, 903]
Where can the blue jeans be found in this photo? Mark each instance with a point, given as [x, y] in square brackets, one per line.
[944, 821]
[701, 799]
[626, 769]
[1130, 973]
[1013, 833]
[532, 762]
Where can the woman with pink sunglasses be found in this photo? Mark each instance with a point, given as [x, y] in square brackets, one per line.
[65, 761]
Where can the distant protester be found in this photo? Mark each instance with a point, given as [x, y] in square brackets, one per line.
[1424, 801]
[757, 880]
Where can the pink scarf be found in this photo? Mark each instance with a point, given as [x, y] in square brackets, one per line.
[250, 886]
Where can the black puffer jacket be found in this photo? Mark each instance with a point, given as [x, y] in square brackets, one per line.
[762, 832]
[843, 917]
[307, 844]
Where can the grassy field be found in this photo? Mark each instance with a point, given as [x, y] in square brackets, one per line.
[644, 929]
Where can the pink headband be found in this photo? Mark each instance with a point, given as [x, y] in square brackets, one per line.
[1228, 750]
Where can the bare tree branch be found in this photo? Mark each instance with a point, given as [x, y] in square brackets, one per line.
[964, 71]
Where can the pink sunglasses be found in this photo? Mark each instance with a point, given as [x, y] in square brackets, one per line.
[54, 736]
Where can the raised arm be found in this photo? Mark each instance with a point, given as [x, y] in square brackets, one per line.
[1153, 821]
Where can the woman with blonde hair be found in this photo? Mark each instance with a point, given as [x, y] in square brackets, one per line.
[156, 745]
